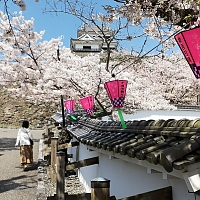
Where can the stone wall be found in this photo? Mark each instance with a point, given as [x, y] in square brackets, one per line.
[15, 110]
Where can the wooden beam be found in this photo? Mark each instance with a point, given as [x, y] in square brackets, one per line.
[85, 196]
[62, 146]
[70, 155]
[60, 175]
[67, 145]
[82, 163]
[160, 194]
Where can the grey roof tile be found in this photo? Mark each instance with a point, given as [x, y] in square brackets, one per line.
[171, 143]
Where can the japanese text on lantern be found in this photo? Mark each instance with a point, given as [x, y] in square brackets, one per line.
[189, 43]
[122, 89]
[184, 49]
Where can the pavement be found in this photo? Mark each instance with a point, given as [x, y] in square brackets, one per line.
[15, 184]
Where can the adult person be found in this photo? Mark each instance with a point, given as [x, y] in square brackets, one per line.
[24, 138]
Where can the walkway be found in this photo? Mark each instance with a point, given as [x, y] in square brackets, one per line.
[14, 182]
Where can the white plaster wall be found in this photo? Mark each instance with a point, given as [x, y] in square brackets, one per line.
[73, 151]
[94, 46]
[78, 46]
[127, 179]
[159, 114]
[180, 190]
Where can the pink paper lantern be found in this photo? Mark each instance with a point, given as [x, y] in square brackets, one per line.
[69, 105]
[116, 91]
[88, 104]
[189, 43]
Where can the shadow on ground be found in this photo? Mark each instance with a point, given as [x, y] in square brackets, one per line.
[15, 183]
[31, 167]
[7, 144]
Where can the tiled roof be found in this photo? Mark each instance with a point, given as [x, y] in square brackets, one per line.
[171, 143]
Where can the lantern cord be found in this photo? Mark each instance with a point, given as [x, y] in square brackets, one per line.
[121, 118]
[149, 51]
[97, 113]
[74, 118]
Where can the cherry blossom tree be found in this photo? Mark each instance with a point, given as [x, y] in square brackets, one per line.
[157, 20]
[136, 21]
[176, 12]
[32, 68]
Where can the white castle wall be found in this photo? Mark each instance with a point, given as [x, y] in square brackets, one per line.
[129, 179]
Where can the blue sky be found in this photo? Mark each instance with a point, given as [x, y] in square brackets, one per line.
[54, 25]
[63, 24]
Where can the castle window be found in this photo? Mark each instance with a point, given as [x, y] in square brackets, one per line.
[86, 47]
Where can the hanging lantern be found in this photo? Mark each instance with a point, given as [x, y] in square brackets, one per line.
[88, 104]
[117, 91]
[189, 43]
[69, 105]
